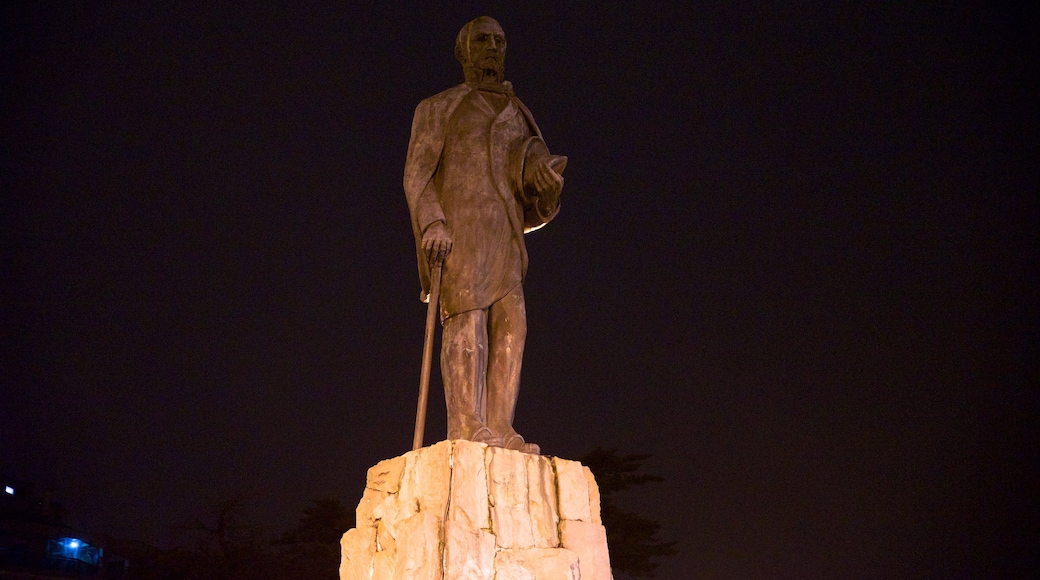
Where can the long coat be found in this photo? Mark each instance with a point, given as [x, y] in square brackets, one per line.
[425, 154]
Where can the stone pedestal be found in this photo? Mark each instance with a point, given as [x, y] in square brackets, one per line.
[463, 510]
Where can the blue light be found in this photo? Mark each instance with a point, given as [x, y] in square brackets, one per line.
[76, 549]
[9, 490]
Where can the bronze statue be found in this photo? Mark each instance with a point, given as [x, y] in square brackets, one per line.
[477, 178]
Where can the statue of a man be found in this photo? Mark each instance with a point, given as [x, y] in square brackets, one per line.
[478, 177]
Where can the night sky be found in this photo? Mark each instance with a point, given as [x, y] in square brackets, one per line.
[796, 263]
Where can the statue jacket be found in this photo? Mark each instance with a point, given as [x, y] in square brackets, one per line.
[465, 167]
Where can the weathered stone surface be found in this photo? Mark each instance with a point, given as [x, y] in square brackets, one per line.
[385, 541]
[537, 564]
[426, 480]
[419, 548]
[383, 566]
[357, 548]
[467, 511]
[507, 486]
[593, 495]
[542, 505]
[469, 486]
[574, 490]
[388, 514]
[386, 475]
[589, 541]
[469, 553]
[369, 502]
[507, 477]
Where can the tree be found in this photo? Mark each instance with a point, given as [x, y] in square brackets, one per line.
[631, 538]
[311, 549]
[226, 548]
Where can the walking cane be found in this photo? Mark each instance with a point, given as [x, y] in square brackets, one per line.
[427, 357]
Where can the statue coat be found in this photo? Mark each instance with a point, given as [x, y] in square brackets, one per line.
[487, 213]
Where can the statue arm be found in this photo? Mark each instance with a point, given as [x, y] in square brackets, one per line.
[541, 183]
[424, 151]
[545, 176]
[539, 180]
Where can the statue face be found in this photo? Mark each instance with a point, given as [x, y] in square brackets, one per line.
[487, 48]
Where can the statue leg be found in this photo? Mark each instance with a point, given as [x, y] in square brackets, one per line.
[464, 357]
[507, 332]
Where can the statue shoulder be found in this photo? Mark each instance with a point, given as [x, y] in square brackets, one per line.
[427, 139]
[445, 98]
[431, 116]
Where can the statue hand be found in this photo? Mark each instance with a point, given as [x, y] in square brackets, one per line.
[548, 183]
[436, 242]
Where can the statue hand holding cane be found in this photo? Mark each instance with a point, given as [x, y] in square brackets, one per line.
[436, 244]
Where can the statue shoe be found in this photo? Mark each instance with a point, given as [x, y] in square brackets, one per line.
[484, 435]
[517, 443]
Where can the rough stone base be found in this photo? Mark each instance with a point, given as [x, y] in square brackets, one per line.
[463, 510]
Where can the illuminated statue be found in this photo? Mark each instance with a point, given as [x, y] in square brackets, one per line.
[478, 177]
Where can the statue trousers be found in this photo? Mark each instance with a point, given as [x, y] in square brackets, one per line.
[481, 353]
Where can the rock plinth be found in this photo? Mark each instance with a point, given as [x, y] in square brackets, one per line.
[460, 510]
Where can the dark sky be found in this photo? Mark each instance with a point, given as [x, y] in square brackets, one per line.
[796, 263]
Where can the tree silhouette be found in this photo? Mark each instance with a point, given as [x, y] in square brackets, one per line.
[223, 547]
[631, 538]
[226, 548]
[311, 549]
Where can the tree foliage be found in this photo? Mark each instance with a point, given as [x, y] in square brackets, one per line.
[223, 547]
[631, 538]
[226, 548]
[311, 548]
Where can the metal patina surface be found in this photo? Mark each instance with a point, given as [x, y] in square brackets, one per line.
[478, 176]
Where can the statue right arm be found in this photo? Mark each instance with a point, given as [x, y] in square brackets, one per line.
[424, 152]
[426, 210]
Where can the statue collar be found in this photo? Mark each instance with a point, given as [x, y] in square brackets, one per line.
[503, 88]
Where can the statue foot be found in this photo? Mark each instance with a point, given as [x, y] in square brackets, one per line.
[484, 435]
[517, 443]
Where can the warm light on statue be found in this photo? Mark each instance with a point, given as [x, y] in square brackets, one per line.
[477, 177]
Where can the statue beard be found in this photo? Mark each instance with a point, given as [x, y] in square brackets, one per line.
[493, 72]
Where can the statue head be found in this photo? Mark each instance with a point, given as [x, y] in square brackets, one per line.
[481, 48]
